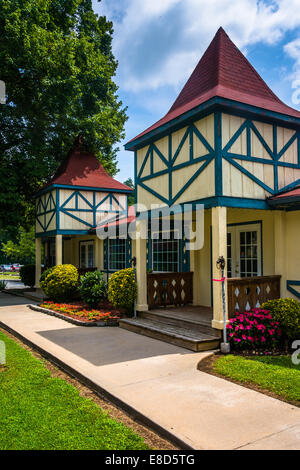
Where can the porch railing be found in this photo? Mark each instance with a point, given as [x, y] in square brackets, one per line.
[251, 292]
[169, 289]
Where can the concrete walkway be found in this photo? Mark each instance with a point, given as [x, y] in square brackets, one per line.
[162, 383]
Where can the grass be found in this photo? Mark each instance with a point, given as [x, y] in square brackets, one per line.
[13, 276]
[39, 411]
[277, 374]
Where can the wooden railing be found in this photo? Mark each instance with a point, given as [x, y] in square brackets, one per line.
[169, 289]
[251, 292]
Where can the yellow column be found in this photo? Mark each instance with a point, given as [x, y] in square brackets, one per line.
[280, 249]
[195, 268]
[58, 249]
[99, 254]
[141, 266]
[219, 248]
[38, 261]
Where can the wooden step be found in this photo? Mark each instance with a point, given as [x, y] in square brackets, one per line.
[167, 318]
[183, 337]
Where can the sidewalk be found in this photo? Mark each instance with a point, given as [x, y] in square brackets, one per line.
[161, 382]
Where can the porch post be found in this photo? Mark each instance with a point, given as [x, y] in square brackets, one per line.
[38, 261]
[58, 249]
[219, 248]
[141, 266]
[280, 248]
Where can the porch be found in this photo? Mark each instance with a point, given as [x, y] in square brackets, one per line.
[251, 242]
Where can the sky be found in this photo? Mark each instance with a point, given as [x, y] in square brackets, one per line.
[158, 43]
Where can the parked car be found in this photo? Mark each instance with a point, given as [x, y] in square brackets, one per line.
[6, 267]
[15, 267]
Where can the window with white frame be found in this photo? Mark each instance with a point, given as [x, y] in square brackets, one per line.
[116, 254]
[86, 254]
[165, 252]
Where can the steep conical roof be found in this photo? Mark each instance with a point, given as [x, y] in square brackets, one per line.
[82, 168]
[225, 72]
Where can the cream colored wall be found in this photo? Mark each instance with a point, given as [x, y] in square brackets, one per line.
[71, 250]
[241, 216]
[69, 223]
[235, 183]
[52, 225]
[201, 266]
[201, 259]
[203, 185]
[293, 249]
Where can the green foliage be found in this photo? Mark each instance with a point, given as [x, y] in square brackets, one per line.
[61, 283]
[45, 273]
[92, 288]
[2, 285]
[57, 63]
[122, 289]
[287, 313]
[27, 274]
[41, 412]
[23, 251]
[131, 197]
[274, 373]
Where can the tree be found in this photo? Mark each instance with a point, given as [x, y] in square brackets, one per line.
[131, 198]
[57, 63]
[24, 250]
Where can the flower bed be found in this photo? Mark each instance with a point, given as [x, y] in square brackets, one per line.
[254, 331]
[80, 311]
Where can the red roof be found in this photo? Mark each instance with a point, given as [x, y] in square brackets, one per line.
[225, 72]
[82, 168]
[292, 193]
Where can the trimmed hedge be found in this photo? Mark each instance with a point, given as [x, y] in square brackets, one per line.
[27, 274]
[61, 283]
[287, 313]
[122, 289]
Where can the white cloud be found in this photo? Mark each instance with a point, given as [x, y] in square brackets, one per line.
[158, 42]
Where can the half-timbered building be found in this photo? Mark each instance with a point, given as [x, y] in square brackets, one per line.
[229, 143]
[68, 209]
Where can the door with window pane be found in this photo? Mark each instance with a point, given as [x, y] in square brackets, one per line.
[87, 254]
[244, 251]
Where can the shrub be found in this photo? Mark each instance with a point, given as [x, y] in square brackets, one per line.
[2, 285]
[92, 288]
[254, 330]
[45, 273]
[61, 283]
[122, 289]
[27, 274]
[287, 313]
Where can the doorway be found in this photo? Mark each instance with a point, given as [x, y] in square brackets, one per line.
[244, 254]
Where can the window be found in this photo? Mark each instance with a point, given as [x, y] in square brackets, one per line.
[116, 254]
[165, 253]
[86, 254]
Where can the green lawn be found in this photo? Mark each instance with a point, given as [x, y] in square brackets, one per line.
[38, 411]
[10, 276]
[277, 374]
